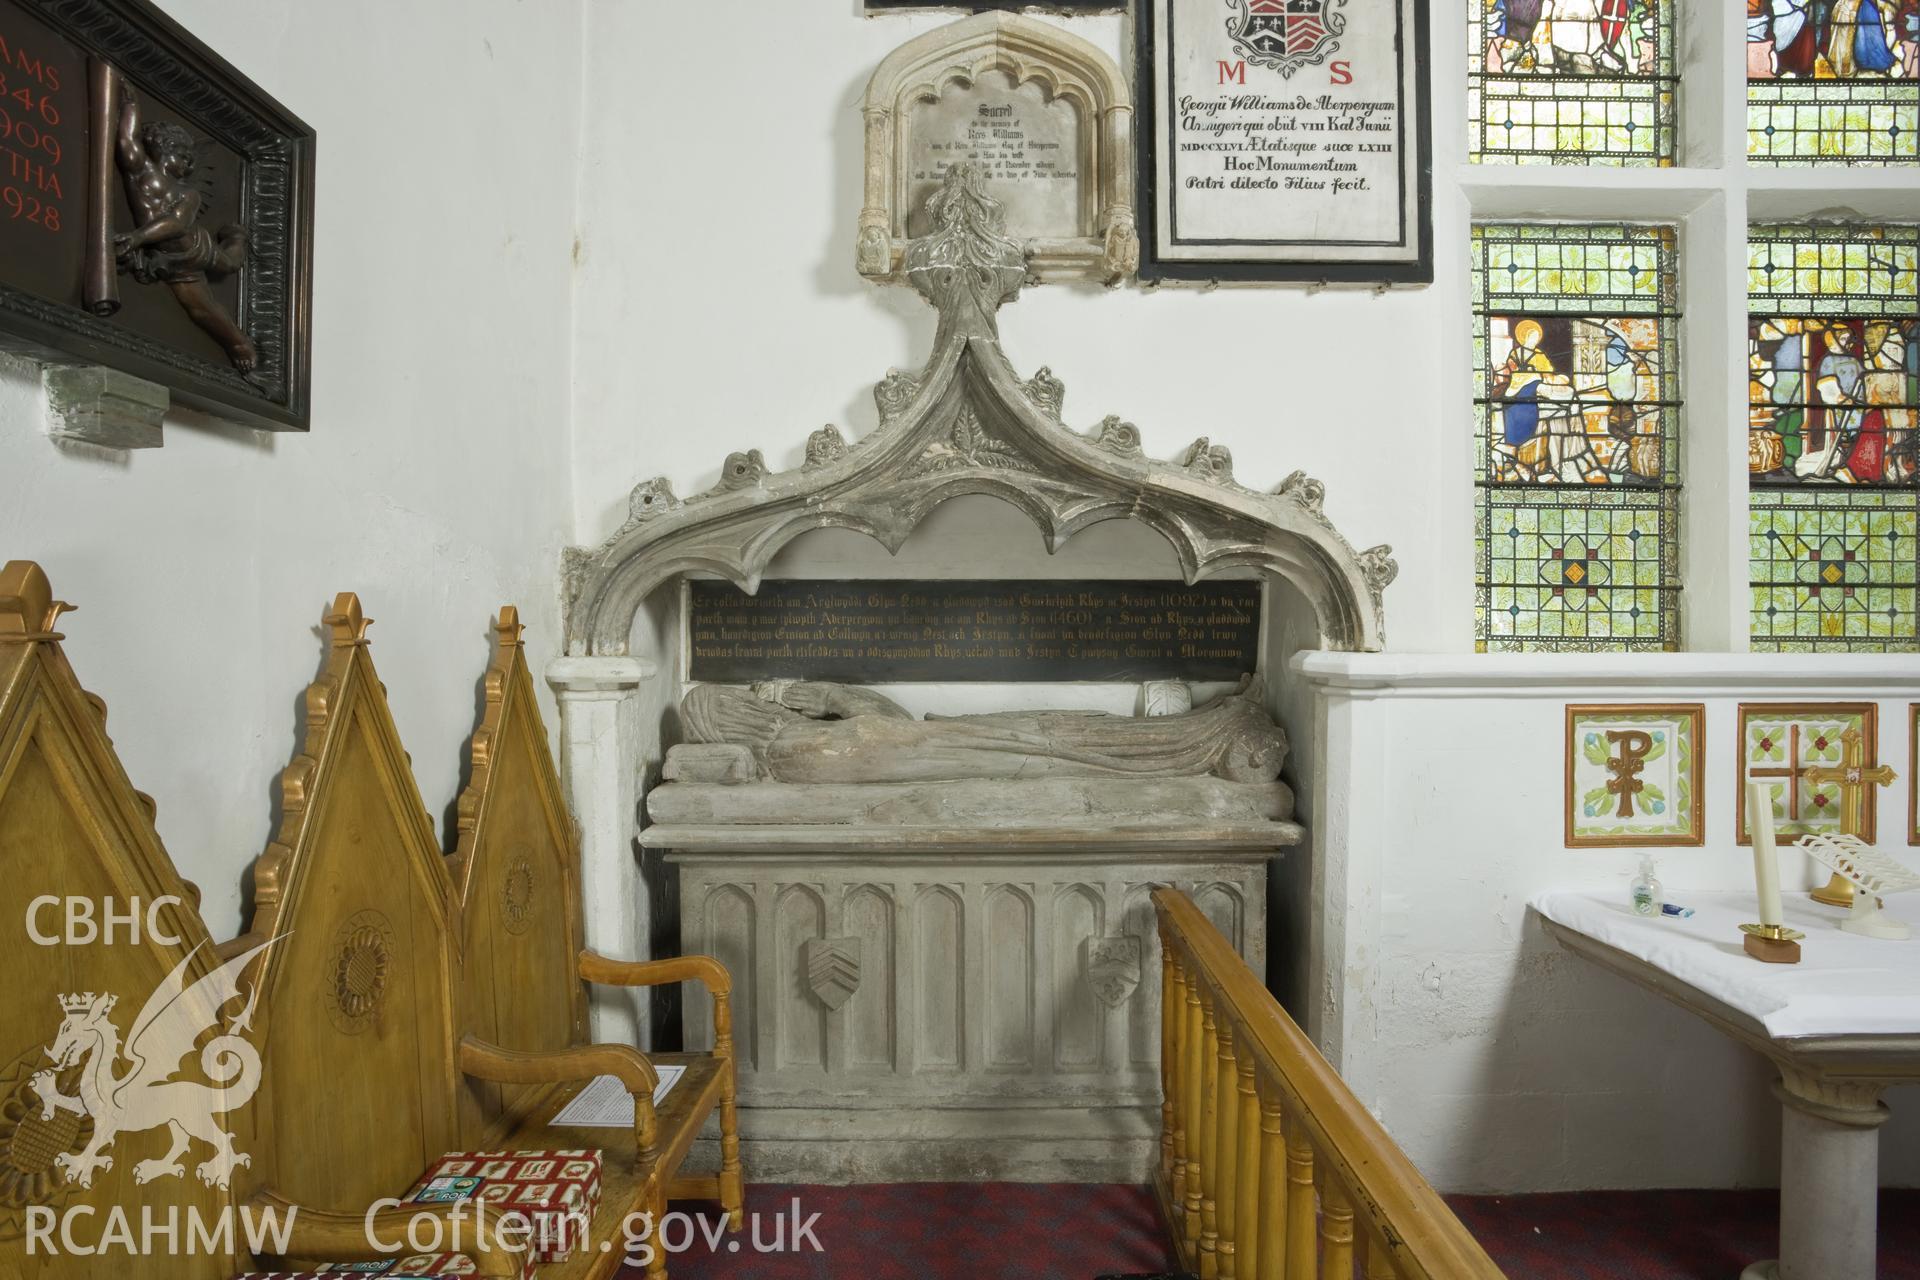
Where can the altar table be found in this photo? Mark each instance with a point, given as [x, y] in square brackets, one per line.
[1840, 1026]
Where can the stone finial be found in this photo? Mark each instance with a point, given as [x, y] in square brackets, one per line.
[1305, 490]
[28, 610]
[1047, 392]
[825, 446]
[650, 498]
[1117, 437]
[347, 621]
[1377, 563]
[742, 471]
[968, 266]
[1209, 461]
[894, 393]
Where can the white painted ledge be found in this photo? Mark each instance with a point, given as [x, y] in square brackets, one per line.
[1480, 675]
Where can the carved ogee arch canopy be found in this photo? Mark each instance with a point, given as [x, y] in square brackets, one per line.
[967, 423]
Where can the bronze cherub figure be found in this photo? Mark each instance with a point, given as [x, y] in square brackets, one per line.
[169, 245]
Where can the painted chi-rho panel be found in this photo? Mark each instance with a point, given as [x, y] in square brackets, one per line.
[1634, 775]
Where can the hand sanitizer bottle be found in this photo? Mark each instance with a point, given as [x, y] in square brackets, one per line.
[1646, 890]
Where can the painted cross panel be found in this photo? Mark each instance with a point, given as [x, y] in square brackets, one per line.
[1634, 776]
[1570, 82]
[1833, 81]
[1779, 742]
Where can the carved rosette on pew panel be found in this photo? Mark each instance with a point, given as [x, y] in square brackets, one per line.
[939, 966]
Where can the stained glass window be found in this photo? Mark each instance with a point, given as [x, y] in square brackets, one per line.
[1833, 343]
[1577, 370]
[1570, 81]
[1833, 81]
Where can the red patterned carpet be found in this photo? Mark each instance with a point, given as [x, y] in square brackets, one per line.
[937, 1231]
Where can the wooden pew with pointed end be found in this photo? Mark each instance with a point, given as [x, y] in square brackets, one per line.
[387, 1004]
[75, 835]
[130, 1042]
[523, 1048]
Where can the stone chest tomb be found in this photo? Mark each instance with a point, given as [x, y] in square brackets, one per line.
[939, 925]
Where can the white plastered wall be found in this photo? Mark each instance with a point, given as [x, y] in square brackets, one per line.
[434, 481]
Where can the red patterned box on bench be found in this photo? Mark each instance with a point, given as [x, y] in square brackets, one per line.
[419, 1266]
[556, 1192]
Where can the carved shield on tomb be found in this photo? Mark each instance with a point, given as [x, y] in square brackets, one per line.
[833, 968]
[1112, 966]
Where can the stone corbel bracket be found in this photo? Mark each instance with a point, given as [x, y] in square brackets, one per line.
[1106, 245]
[966, 423]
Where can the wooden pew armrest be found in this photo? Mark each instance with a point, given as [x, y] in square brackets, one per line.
[470, 1228]
[607, 972]
[491, 1062]
[599, 969]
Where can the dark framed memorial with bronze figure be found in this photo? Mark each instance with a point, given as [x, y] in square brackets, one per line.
[156, 210]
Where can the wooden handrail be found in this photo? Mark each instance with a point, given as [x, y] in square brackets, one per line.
[1269, 1165]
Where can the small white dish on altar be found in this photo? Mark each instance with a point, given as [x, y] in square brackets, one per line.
[1873, 873]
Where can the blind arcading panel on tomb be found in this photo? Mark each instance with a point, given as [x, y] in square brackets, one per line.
[884, 631]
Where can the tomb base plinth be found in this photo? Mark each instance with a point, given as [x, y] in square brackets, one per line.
[952, 1003]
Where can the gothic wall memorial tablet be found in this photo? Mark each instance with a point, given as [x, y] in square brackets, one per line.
[878, 631]
[1044, 116]
[1284, 140]
[980, 6]
[155, 209]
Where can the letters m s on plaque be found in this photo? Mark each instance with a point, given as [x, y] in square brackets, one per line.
[1284, 140]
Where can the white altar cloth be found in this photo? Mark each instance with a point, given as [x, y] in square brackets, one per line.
[1843, 985]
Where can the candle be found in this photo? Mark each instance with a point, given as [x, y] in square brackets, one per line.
[1766, 864]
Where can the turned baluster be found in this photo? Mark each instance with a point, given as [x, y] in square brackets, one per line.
[732, 1186]
[1273, 1184]
[1190, 1093]
[1246, 1211]
[1173, 1002]
[1336, 1228]
[1301, 1245]
[1209, 1139]
[1226, 1149]
[1378, 1262]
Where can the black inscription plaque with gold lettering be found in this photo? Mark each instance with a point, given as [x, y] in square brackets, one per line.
[156, 209]
[880, 631]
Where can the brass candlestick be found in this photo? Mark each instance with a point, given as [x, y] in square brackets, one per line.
[1855, 780]
[1772, 943]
